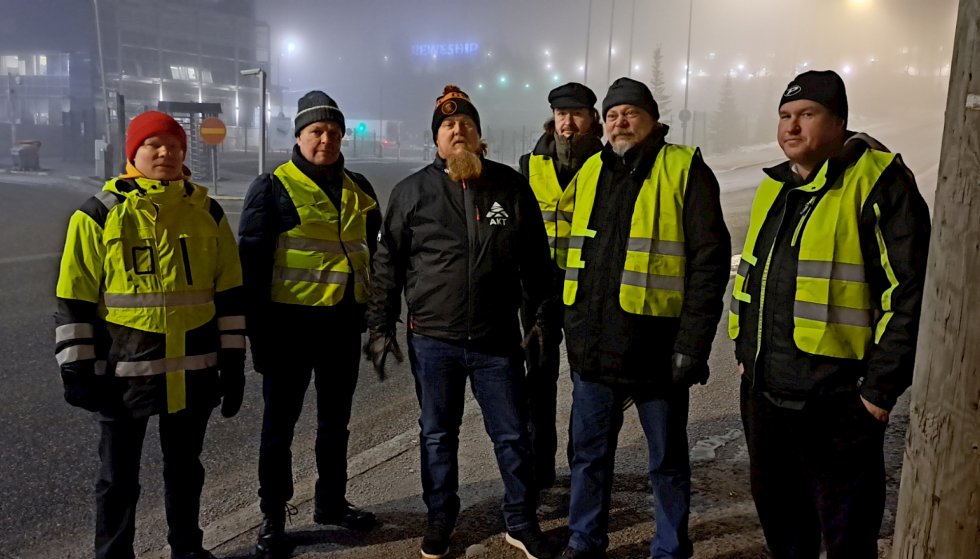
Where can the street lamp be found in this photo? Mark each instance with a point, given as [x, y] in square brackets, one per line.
[685, 115]
[262, 87]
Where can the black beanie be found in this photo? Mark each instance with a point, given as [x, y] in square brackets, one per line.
[626, 91]
[317, 106]
[572, 96]
[823, 86]
[454, 101]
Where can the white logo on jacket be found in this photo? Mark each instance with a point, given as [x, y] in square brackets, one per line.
[497, 215]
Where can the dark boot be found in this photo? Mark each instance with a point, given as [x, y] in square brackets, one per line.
[346, 516]
[272, 542]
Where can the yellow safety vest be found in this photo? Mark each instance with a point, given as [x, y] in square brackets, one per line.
[547, 189]
[653, 276]
[314, 260]
[834, 312]
[159, 258]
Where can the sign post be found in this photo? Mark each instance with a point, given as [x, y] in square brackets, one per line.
[213, 132]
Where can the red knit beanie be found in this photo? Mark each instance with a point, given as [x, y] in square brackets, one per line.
[149, 124]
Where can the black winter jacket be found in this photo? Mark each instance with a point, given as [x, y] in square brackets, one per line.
[607, 344]
[268, 211]
[462, 253]
[785, 372]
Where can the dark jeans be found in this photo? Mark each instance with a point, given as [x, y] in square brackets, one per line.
[441, 369]
[118, 488]
[542, 393]
[816, 471]
[333, 363]
[597, 418]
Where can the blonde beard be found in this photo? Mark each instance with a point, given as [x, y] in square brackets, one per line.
[464, 165]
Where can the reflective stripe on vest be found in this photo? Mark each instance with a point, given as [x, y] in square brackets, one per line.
[652, 282]
[547, 190]
[315, 260]
[161, 261]
[834, 313]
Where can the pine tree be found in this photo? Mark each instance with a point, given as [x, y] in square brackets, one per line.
[725, 124]
[660, 85]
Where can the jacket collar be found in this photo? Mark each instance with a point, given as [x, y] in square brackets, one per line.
[855, 144]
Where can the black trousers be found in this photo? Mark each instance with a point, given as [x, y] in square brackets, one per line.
[333, 364]
[542, 393]
[816, 472]
[118, 489]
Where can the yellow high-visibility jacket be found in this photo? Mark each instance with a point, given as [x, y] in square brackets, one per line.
[149, 293]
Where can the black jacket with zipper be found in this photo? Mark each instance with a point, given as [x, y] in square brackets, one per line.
[783, 371]
[607, 344]
[268, 212]
[462, 252]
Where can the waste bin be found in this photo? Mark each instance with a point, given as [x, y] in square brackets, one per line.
[26, 155]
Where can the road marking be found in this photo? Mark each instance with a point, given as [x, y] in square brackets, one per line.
[736, 260]
[29, 258]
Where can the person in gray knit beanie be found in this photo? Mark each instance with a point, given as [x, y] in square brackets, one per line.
[317, 106]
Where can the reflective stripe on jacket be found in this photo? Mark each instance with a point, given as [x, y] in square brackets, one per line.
[547, 190]
[314, 260]
[653, 277]
[153, 267]
[834, 314]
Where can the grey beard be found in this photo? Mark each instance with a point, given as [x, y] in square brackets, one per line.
[621, 149]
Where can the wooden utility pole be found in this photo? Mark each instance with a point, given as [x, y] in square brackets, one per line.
[939, 501]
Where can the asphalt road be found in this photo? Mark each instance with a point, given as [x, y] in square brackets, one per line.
[48, 449]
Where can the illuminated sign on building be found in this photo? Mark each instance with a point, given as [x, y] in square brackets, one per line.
[430, 50]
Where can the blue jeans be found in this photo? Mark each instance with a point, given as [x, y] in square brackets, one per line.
[597, 417]
[441, 369]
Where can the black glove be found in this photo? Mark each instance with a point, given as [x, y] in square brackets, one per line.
[231, 379]
[380, 343]
[543, 336]
[687, 370]
[83, 389]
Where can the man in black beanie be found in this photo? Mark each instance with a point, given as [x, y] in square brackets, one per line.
[824, 315]
[571, 136]
[306, 280]
[646, 256]
[463, 238]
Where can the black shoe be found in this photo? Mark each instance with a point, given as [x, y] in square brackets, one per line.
[572, 553]
[198, 554]
[347, 516]
[435, 542]
[272, 543]
[532, 542]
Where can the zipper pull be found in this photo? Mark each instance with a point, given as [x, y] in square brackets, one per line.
[808, 205]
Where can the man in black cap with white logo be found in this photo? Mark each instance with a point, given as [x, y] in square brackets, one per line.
[824, 315]
[571, 136]
[306, 237]
[646, 263]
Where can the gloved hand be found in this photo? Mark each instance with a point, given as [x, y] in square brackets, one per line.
[686, 370]
[231, 380]
[542, 335]
[83, 389]
[380, 343]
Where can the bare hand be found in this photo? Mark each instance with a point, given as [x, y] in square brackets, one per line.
[880, 414]
[741, 370]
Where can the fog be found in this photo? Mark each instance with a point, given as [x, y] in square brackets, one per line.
[387, 61]
[382, 58]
